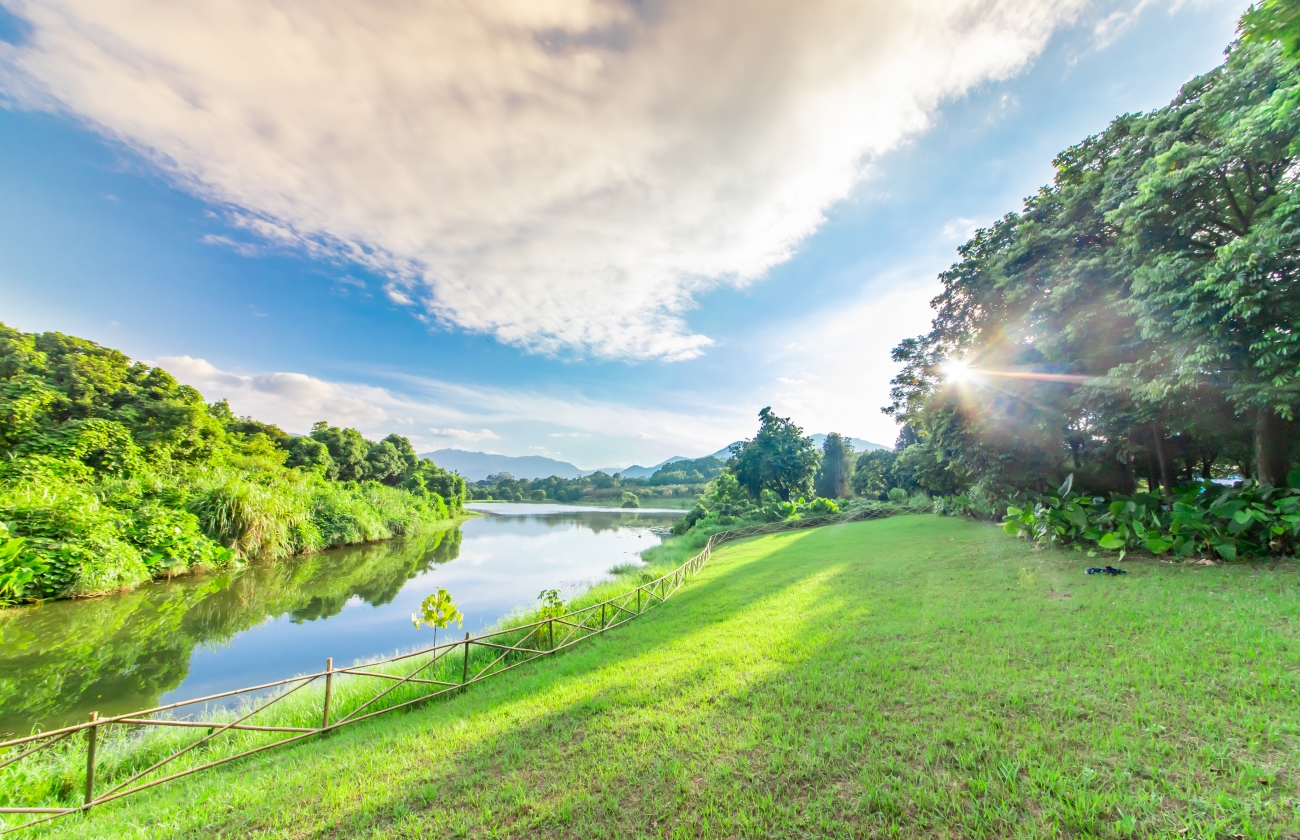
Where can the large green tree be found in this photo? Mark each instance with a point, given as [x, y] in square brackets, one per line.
[779, 458]
[832, 478]
[1138, 318]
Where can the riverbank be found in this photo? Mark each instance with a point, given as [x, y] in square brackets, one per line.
[919, 676]
[682, 503]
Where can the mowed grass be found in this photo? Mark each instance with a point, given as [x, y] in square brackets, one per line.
[912, 677]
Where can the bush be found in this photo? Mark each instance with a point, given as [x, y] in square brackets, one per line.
[1248, 521]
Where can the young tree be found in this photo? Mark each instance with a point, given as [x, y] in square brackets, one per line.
[832, 480]
[778, 458]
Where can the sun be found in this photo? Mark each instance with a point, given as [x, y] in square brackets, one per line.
[957, 371]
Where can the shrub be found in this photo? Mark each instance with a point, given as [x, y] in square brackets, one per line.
[1248, 521]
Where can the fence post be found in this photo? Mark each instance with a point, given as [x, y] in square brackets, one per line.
[602, 615]
[464, 668]
[638, 600]
[329, 686]
[92, 737]
[550, 631]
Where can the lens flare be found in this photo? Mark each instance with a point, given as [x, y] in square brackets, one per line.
[958, 371]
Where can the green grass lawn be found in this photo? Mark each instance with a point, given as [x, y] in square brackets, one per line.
[914, 677]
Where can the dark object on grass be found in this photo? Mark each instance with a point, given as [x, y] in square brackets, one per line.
[1108, 570]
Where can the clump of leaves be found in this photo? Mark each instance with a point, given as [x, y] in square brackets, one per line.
[1247, 521]
[437, 610]
[16, 571]
[553, 606]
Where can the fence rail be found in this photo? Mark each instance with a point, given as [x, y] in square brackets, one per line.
[505, 650]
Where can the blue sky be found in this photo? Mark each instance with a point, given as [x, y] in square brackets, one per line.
[485, 275]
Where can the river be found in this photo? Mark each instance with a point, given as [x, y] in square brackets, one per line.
[199, 635]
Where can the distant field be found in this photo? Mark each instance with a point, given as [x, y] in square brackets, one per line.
[912, 677]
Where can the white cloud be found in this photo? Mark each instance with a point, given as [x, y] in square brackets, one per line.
[601, 428]
[292, 400]
[563, 174]
[463, 434]
[838, 372]
[959, 231]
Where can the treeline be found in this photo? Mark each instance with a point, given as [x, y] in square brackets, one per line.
[679, 479]
[113, 473]
[779, 474]
[1137, 324]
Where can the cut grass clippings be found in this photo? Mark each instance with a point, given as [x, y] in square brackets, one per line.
[916, 677]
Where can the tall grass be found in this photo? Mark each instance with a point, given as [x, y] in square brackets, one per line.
[257, 519]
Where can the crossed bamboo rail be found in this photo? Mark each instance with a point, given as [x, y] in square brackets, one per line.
[539, 639]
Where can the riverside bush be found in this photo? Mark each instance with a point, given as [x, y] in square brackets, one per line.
[1246, 521]
[113, 473]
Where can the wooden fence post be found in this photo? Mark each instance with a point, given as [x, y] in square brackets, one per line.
[92, 737]
[602, 615]
[638, 600]
[464, 668]
[550, 631]
[329, 686]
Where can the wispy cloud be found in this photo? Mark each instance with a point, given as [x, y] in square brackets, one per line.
[463, 413]
[837, 372]
[565, 175]
[463, 434]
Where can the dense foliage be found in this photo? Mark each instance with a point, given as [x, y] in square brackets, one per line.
[770, 477]
[1138, 322]
[1204, 518]
[112, 473]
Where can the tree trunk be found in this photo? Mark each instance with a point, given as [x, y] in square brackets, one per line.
[1273, 436]
[1153, 469]
[1165, 458]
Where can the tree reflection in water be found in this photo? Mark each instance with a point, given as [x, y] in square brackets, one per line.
[60, 660]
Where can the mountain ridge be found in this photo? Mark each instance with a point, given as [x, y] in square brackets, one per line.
[476, 466]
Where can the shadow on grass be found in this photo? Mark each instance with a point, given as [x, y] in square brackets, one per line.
[719, 592]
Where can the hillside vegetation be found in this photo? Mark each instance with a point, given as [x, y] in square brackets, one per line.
[911, 677]
[113, 473]
[684, 479]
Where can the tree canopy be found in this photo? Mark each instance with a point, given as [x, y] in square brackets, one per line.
[1138, 319]
[779, 458]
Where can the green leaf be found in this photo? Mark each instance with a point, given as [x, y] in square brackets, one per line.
[1157, 544]
[1293, 478]
[1226, 548]
[1112, 541]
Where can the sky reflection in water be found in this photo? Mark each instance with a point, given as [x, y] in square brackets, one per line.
[197, 636]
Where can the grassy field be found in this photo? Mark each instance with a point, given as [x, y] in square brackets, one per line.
[914, 677]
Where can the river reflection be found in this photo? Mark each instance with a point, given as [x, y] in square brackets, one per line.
[195, 636]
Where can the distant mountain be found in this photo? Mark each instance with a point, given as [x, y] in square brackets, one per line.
[476, 466]
[859, 445]
[636, 470]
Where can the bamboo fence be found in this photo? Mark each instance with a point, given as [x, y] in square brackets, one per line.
[506, 650]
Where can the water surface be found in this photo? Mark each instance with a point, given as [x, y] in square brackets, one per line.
[200, 635]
